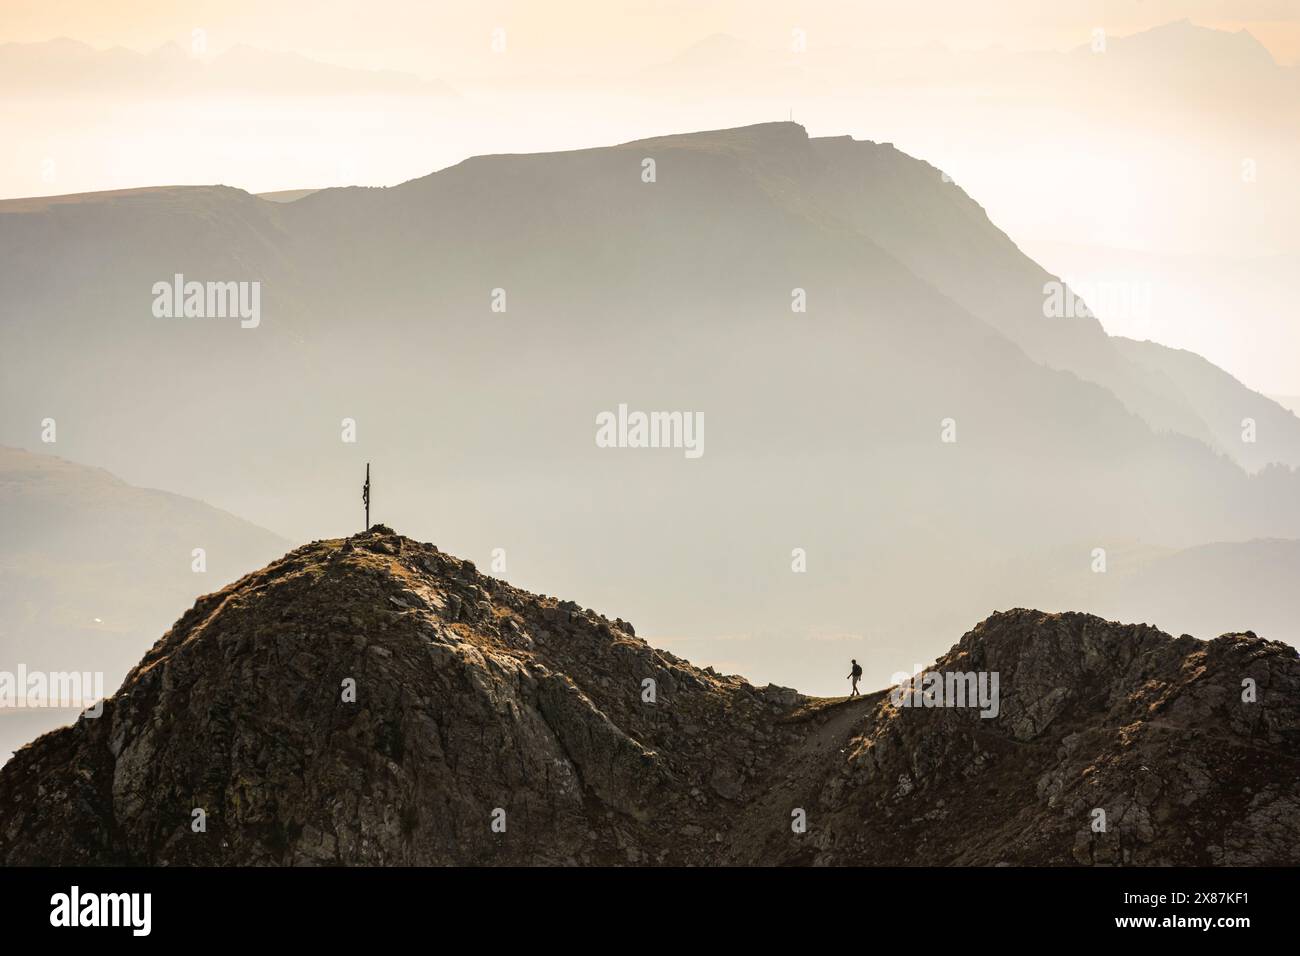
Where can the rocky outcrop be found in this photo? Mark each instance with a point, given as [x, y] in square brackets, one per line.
[375, 701]
[1112, 745]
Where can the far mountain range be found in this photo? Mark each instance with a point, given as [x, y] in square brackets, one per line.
[473, 323]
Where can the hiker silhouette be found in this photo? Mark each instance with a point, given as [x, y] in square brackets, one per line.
[854, 675]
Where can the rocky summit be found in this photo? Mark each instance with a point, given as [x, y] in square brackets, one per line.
[376, 701]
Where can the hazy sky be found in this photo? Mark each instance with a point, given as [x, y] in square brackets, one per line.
[434, 38]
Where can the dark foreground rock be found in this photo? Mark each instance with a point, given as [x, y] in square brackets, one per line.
[375, 701]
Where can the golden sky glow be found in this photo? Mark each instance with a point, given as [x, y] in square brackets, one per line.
[436, 38]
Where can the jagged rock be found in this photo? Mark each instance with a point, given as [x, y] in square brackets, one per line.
[470, 709]
[781, 696]
[726, 782]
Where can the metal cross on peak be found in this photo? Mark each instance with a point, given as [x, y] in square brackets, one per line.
[365, 496]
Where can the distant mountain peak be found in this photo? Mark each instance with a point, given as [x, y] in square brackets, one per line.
[775, 134]
[1204, 45]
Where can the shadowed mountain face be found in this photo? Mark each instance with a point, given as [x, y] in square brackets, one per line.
[376, 701]
[825, 428]
[91, 569]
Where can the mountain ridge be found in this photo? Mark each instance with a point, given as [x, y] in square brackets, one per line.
[477, 703]
[380, 307]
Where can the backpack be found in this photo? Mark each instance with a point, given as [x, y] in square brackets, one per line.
[857, 670]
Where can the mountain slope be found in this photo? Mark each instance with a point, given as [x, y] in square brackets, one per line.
[825, 427]
[91, 569]
[939, 232]
[80, 544]
[475, 699]
[1223, 403]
